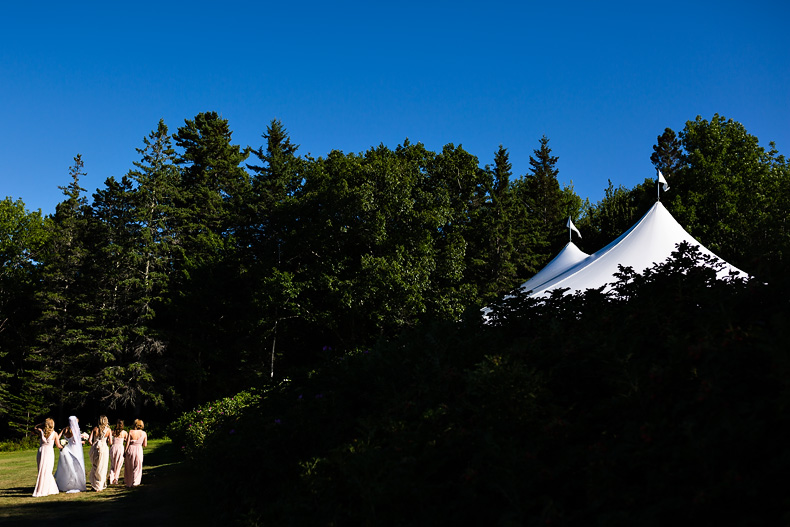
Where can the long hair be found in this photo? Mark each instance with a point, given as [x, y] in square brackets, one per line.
[118, 428]
[103, 424]
[49, 426]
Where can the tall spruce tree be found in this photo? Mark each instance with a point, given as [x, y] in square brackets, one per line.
[65, 299]
[541, 193]
[111, 242]
[667, 154]
[157, 178]
[501, 225]
[126, 373]
[211, 296]
[498, 230]
[274, 184]
[543, 185]
[272, 206]
[213, 190]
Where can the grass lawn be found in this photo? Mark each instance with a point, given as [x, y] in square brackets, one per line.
[167, 495]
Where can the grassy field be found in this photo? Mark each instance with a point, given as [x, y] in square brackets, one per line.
[167, 495]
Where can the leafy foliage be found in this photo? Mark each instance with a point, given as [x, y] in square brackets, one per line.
[196, 430]
[725, 189]
[23, 234]
[664, 401]
[728, 190]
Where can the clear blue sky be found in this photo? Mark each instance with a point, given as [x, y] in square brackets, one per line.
[600, 79]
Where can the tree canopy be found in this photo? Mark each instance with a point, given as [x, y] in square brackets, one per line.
[211, 267]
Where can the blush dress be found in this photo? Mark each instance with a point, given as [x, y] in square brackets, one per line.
[100, 460]
[133, 469]
[116, 458]
[45, 459]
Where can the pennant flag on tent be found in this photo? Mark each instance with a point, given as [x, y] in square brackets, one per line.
[572, 227]
[663, 181]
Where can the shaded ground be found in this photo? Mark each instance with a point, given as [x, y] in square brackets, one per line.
[168, 496]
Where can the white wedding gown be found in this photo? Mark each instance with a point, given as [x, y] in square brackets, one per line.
[70, 475]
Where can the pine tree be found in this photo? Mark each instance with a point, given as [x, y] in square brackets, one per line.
[275, 183]
[544, 201]
[64, 295]
[544, 186]
[126, 373]
[214, 188]
[211, 296]
[498, 229]
[667, 154]
[157, 179]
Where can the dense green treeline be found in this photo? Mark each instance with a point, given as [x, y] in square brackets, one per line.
[212, 267]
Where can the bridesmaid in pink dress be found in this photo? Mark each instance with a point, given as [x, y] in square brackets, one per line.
[133, 471]
[119, 436]
[99, 454]
[45, 458]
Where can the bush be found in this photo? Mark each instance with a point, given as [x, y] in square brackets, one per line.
[26, 443]
[666, 402]
[192, 430]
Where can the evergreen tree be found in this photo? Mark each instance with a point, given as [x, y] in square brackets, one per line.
[503, 170]
[64, 296]
[212, 190]
[274, 185]
[212, 296]
[509, 233]
[544, 187]
[127, 366]
[157, 179]
[111, 242]
[500, 225]
[539, 191]
[667, 154]
[610, 217]
[275, 182]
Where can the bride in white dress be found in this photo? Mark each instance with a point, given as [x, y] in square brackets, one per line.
[70, 475]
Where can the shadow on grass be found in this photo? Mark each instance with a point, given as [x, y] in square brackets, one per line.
[168, 495]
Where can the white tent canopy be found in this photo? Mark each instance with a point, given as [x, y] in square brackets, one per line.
[569, 256]
[651, 240]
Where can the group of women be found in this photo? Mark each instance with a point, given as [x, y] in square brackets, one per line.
[112, 449]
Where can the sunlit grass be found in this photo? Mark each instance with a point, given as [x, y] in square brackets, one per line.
[164, 495]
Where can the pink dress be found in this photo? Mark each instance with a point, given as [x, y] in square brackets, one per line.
[100, 460]
[45, 458]
[133, 469]
[116, 458]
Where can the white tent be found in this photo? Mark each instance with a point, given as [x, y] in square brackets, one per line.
[651, 240]
[569, 256]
